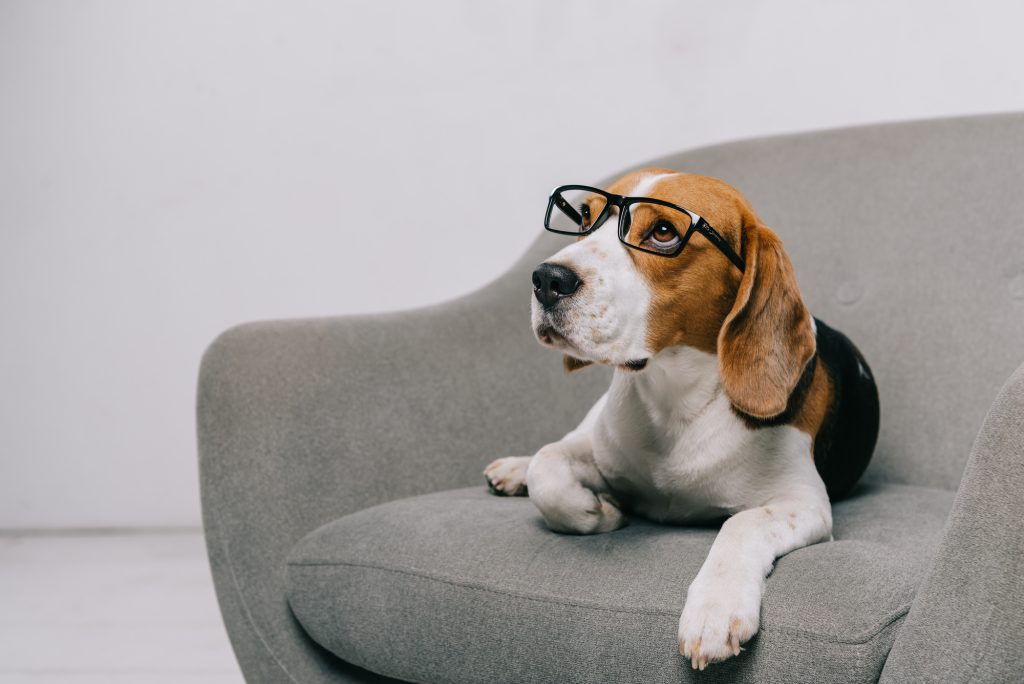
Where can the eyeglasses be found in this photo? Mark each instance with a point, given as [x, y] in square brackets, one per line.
[646, 224]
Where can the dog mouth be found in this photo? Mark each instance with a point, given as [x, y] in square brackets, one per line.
[551, 337]
[548, 336]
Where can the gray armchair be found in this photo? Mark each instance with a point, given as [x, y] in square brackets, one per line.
[341, 458]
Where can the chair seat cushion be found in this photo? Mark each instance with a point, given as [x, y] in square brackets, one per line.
[464, 586]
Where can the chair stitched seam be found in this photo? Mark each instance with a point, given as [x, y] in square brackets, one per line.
[862, 638]
[241, 598]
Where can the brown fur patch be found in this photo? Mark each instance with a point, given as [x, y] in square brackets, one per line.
[767, 340]
[694, 291]
[755, 321]
[816, 403]
[571, 363]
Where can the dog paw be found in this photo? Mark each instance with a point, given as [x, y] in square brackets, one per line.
[507, 476]
[721, 613]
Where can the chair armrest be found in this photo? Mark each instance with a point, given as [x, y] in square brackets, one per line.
[967, 621]
[301, 422]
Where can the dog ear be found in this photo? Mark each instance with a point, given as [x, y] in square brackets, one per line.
[767, 338]
[571, 363]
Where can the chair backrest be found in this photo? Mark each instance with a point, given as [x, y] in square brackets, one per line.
[909, 238]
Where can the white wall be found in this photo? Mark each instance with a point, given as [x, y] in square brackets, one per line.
[169, 169]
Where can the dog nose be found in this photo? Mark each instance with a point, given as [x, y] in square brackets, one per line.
[553, 282]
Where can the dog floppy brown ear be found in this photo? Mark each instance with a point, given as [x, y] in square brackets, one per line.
[571, 363]
[767, 338]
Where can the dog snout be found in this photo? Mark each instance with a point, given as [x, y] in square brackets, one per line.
[553, 283]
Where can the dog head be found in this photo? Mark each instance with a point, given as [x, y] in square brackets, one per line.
[599, 301]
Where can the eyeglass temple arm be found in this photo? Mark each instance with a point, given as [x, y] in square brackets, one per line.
[718, 241]
[568, 209]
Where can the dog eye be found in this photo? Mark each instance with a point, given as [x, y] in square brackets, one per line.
[663, 235]
[585, 213]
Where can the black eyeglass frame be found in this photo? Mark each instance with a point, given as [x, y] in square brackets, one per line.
[623, 202]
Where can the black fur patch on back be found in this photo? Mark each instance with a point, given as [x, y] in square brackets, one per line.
[846, 441]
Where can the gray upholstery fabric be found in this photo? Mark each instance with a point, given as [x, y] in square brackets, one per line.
[967, 621]
[907, 237]
[463, 586]
[303, 421]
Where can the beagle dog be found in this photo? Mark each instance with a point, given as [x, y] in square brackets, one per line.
[728, 399]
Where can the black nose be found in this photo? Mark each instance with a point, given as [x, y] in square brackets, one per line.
[553, 282]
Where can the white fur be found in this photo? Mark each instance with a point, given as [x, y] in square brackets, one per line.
[703, 461]
[665, 443]
[647, 183]
[606, 320]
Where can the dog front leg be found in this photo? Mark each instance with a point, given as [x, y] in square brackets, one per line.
[723, 603]
[568, 489]
[507, 476]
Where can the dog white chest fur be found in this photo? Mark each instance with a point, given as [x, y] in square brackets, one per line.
[671, 448]
[665, 443]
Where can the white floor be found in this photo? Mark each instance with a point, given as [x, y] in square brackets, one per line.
[110, 608]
